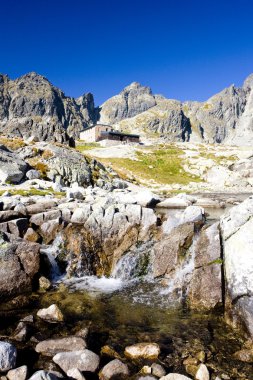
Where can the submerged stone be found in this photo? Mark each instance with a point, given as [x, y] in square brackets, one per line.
[143, 350]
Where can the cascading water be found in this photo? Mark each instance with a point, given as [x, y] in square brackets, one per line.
[177, 286]
[135, 264]
[51, 252]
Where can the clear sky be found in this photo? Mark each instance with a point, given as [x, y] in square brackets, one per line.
[186, 49]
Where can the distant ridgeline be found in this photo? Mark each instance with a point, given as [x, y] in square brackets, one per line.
[31, 106]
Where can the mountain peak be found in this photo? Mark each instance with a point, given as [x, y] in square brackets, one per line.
[248, 83]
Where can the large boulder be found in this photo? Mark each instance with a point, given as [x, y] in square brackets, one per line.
[237, 239]
[12, 167]
[19, 262]
[65, 166]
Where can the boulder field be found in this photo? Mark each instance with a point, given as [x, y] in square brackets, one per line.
[66, 216]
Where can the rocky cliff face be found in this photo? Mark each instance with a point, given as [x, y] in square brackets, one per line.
[224, 118]
[133, 100]
[32, 106]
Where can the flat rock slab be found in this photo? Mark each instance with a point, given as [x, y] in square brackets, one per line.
[51, 347]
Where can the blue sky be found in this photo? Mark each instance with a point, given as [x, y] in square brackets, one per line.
[185, 49]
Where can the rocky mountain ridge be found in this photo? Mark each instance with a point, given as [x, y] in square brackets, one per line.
[32, 106]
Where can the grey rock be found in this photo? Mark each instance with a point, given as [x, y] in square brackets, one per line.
[205, 289]
[32, 174]
[113, 368]
[169, 250]
[21, 332]
[84, 360]
[12, 167]
[8, 356]
[18, 227]
[51, 347]
[18, 265]
[158, 370]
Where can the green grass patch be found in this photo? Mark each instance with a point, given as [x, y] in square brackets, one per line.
[83, 147]
[164, 165]
[218, 159]
[32, 192]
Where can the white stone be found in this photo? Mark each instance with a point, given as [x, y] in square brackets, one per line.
[51, 314]
[19, 373]
[193, 214]
[174, 202]
[202, 373]
[175, 376]
[81, 214]
[75, 374]
[143, 350]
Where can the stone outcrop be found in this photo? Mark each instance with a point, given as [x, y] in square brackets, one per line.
[103, 234]
[12, 167]
[236, 229]
[166, 120]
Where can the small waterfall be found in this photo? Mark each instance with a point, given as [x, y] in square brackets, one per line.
[51, 252]
[134, 264]
[177, 287]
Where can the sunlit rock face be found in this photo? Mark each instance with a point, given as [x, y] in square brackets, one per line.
[236, 228]
[32, 106]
